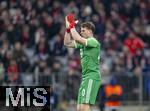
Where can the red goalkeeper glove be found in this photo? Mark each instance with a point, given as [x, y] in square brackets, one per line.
[70, 21]
[71, 18]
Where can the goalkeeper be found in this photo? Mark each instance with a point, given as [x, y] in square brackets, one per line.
[90, 55]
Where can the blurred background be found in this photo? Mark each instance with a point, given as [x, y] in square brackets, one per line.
[32, 50]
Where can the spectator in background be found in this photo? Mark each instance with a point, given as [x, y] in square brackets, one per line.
[72, 81]
[7, 57]
[133, 43]
[134, 79]
[53, 99]
[101, 98]
[56, 70]
[1, 73]
[18, 52]
[13, 71]
[20, 57]
[4, 48]
[113, 92]
[59, 49]
[25, 37]
[5, 52]
[42, 47]
[127, 58]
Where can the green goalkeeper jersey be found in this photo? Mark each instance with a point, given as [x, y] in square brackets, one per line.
[90, 59]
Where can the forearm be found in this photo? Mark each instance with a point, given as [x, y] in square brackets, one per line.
[75, 34]
[67, 38]
[68, 42]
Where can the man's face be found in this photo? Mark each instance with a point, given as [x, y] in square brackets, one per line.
[85, 32]
[131, 35]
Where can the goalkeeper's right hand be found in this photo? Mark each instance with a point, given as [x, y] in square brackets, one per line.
[67, 23]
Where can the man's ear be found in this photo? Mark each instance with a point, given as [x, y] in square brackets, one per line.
[90, 31]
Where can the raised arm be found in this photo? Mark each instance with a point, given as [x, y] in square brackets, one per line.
[72, 33]
[67, 40]
[70, 25]
[76, 36]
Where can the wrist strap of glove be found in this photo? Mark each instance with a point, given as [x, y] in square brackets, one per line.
[70, 27]
[68, 30]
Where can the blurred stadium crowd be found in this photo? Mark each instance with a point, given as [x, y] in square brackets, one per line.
[31, 43]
